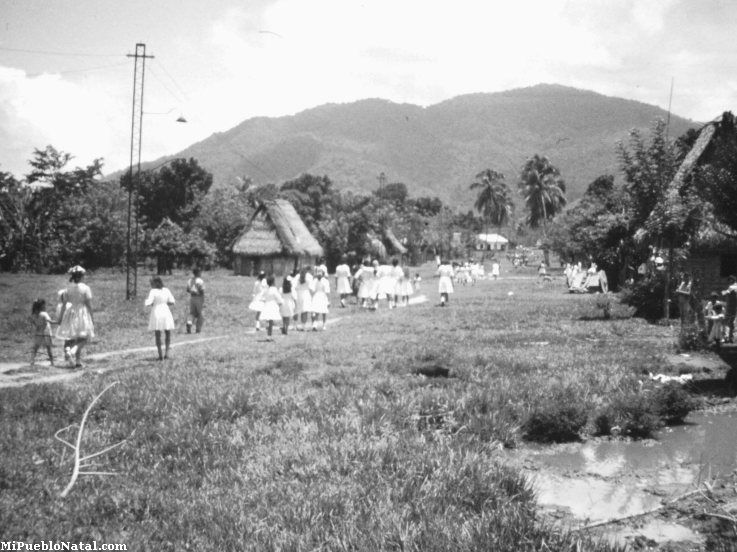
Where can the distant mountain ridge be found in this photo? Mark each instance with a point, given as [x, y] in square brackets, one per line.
[434, 150]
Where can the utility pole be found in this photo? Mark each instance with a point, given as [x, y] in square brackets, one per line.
[382, 181]
[134, 184]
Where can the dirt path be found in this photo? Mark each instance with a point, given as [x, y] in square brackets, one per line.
[18, 374]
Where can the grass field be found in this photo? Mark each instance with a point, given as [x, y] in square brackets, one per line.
[317, 441]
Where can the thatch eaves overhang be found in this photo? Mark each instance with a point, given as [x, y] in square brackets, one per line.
[276, 228]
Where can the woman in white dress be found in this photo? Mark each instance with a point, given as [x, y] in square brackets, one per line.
[77, 324]
[445, 285]
[343, 280]
[160, 320]
[272, 302]
[257, 297]
[302, 287]
[320, 301]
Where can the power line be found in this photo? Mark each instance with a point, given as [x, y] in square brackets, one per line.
[174, 95]
[72, 71]
[173, 80]
[56, 53]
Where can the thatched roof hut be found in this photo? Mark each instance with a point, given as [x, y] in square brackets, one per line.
[276, 241]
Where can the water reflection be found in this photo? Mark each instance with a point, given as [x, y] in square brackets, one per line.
[639, 473]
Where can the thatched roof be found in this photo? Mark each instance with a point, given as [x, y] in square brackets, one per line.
[276, 228]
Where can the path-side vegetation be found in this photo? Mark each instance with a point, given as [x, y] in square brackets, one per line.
[323, 440]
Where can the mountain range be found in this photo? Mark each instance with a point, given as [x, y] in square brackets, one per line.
[435, 150]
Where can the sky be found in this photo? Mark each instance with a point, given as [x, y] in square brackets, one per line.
[65, 79]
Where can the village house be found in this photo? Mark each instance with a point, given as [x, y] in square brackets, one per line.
[276, 241]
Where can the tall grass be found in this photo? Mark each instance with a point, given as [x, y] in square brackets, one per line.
[324, 441]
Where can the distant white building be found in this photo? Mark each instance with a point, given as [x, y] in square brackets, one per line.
[491, 242]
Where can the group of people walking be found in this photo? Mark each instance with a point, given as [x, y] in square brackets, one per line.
[76, 325]
[303, 298]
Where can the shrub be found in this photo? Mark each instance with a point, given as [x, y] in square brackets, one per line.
[633, 413]
[672, 403]
[558, 420]
[646, 296]
[691, 338]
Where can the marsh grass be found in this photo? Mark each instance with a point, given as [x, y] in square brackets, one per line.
[317, 441]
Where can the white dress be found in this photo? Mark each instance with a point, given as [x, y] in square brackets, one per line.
[387, 283]
[445, 285]
[303, 291]
[365, 275]
[289, 305]
[404, 287]
[321, 288]
[77, 320]
[343, 279]
[272, 301]
[257, 302]
[160, 318]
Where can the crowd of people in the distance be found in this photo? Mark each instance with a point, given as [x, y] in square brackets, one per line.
[302, 299]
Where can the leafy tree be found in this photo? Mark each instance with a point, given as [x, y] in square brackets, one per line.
[648, 167]
[311, 195]
[395, 193]
[493, 201]
[223, 214]
[425, 206]
[595, 228]
[171, 246]
[175, 192]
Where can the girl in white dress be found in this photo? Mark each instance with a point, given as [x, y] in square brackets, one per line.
[302, 287]
[320, 301]
[397, 276]
[385, 284]
[445, 285]
[343, 280]
[257, 297]
[76, 323]
[404, 288]
[365, 275]
[289, 305]
[272, 302]
[160, 320]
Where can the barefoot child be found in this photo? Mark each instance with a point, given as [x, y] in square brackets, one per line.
[161, 319]
[41, 322]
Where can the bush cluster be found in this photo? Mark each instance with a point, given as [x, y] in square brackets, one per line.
[646, 296]
[639, 414]
[559, 419]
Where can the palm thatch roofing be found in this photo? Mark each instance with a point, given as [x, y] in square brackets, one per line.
[276, 228]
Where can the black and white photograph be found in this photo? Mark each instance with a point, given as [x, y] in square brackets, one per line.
[368, 275]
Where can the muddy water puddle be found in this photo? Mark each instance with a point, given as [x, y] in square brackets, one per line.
[602, 480]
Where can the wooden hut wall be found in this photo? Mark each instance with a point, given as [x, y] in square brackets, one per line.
[712, 269]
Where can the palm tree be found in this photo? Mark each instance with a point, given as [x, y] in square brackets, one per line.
[543, 190]
[544, 193]
[493, 202]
